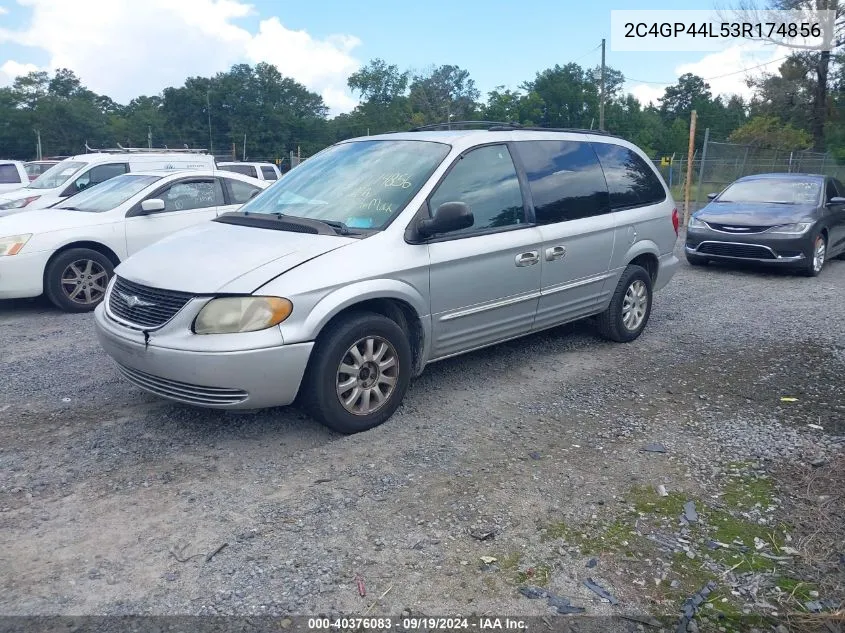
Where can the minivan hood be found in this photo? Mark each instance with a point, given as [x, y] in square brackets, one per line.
[213, 257]
[754, 214]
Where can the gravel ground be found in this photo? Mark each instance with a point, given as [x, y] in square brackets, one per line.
[103, 489]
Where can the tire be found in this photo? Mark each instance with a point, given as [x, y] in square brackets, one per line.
[323, 377]
[81, 270]
[812, 265]
[697, 260]
[611, 323]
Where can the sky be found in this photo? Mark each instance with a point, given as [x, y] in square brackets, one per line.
[126, 48]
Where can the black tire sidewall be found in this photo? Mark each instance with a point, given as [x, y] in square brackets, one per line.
[631, 274]
[52, 277]
[322, 400]
[808, 267]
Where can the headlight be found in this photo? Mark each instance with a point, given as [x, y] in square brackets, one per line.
[695, 223]
[18, 204]
[13, 244]
[792, 229]
[241, 314]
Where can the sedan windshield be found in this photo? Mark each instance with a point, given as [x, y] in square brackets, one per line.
[786, 191]
[109, 194]
[362, 184]
[57, 175]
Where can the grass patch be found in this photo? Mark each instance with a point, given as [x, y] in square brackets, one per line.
[616, 536]
[646, 500]
[539, 575]
[744, 492]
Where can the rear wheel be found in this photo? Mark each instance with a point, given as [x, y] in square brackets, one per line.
[629, 309]
[815, 259]
[697, 260]
[359, 373]
[76, 280]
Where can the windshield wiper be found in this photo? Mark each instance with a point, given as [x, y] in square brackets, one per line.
[338, 226]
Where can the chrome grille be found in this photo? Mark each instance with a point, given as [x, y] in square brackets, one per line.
[737, 229]
[183, 391]
[729, 249]
[144, 306]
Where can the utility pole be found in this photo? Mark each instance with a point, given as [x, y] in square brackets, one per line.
[244, 146]
[690, 155]
[149, 137]
[208, 109]
[703, 162]
[601, 97]
[38, 143]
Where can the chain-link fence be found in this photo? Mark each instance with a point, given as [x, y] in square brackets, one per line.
[717, 164]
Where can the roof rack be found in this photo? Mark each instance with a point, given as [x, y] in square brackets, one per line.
[458, 124]
[502, 126]
[144, 150]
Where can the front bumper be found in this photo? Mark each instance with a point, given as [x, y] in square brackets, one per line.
[764, 248]
[231, 379]
[22, 275]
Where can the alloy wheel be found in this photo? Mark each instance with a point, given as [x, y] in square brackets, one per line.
[634, 305]
[367, 375]
[84, 282]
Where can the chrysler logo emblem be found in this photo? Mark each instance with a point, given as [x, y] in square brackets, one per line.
[133, 301]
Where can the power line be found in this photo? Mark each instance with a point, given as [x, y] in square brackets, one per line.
[592, 50]
[736, 72]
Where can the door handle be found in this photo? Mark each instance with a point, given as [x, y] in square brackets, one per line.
[528, 259]
[555, 252]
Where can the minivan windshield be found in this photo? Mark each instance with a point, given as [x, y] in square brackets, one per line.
[57, 175]
[773, 190]
[109, 194]
[361, 183]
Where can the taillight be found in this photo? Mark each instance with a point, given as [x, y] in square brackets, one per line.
[675, 221]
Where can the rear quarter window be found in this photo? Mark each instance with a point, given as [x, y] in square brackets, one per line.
[9, 175]
[631, 182]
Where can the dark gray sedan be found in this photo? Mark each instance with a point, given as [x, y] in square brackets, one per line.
[795, 220]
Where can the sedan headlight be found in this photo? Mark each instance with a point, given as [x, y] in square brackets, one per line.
[18, 204]
[792, 229]
[228, 315]
[695, 223]
[13, 244]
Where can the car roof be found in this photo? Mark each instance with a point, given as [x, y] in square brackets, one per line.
[203, 173]
[465, 138]
[784, 176]
[249, 163]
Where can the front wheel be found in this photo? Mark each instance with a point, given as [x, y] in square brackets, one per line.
[358, 374]
[76, 280]
[629, 309]
[816, 258]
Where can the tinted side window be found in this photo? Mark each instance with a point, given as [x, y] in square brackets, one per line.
[486, 180]
[565, 179]
[9, 174]
[830, 190]
[246, 170]
[269, 172]
[630, 181]
[239, 191]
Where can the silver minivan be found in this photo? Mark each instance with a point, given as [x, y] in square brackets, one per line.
[342, 281]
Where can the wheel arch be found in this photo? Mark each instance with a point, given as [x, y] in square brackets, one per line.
[398, 301]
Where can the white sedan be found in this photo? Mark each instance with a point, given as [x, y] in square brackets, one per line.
[69, 251]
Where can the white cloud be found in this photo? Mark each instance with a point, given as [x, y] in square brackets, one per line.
[3, 10]
[726, 71]
[646, 93]
[11, 69]
[125, 48]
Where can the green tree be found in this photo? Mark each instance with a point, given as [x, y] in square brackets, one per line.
[771, 133]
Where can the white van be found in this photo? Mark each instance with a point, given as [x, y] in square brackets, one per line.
[261, 171]
[12, 175]
[76, 173]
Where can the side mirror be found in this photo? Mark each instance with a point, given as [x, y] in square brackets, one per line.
[836, 200]
[152, 205]
[450, 216]
[712, 196]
